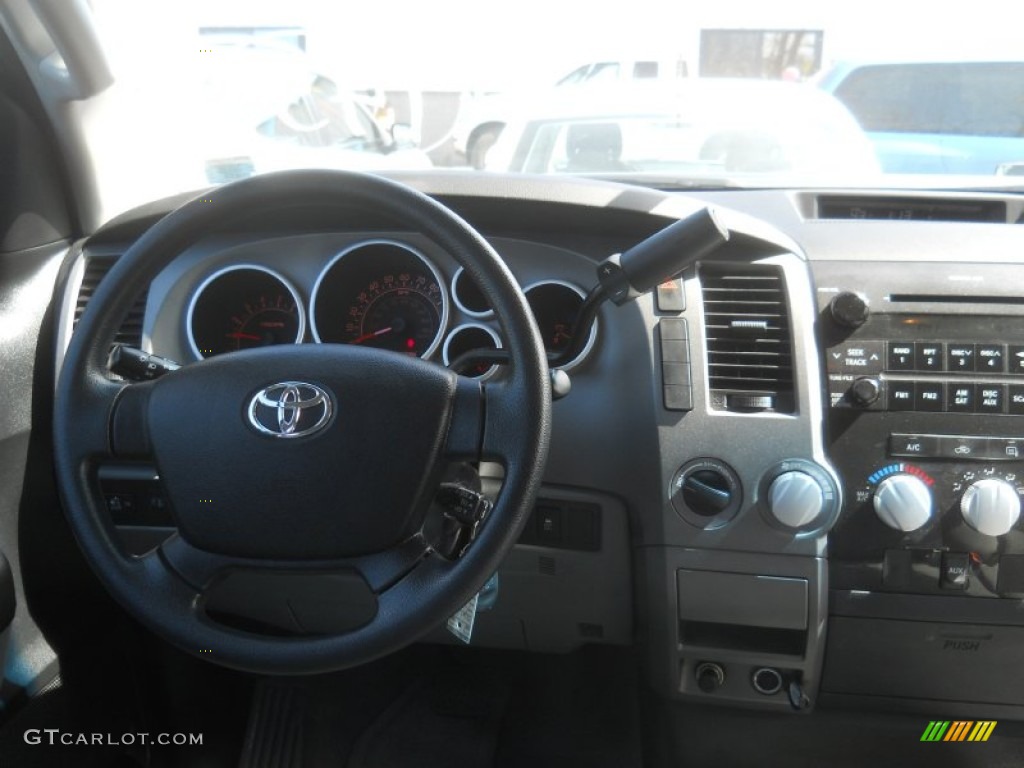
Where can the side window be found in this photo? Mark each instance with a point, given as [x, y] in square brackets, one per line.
[605, 70]
[645, 70]
[576, 76]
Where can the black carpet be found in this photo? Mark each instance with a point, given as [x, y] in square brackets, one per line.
[435, 707]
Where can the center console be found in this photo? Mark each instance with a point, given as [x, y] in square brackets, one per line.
[925, 372]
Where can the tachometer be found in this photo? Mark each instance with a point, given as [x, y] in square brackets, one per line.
[380, 294]
[244, 307]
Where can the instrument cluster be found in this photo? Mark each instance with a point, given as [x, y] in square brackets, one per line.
[381, 293]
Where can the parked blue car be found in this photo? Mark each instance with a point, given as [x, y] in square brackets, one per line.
[937, 117]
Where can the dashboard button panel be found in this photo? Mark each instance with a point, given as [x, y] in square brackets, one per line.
[674, 340]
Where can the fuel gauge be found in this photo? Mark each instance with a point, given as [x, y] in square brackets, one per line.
[241, 308]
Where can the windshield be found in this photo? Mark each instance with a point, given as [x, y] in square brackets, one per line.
[739, 93]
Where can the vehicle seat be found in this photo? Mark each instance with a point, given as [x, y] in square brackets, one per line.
[594, 147]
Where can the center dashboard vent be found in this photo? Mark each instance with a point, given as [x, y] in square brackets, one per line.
[96, 268]
[749, 344]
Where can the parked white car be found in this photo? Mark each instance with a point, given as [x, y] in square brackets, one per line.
[709, 128]
[482, 117]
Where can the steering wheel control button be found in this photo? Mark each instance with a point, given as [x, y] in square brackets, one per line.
[954, 570]
[290, 409]
[991, 506]
[464, 510]
[903, 502]
[795, 499]
[706, 493]
[135, 365]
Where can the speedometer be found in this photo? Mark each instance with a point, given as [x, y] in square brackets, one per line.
[380, 294]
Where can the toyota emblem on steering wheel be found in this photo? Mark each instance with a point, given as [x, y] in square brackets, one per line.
[290, 409]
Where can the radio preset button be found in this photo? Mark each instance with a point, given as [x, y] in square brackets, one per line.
[930, 396]
[901, 395]
[930, 356]
[960, 398]
[990, 358]
[901, 356]
[960, 357]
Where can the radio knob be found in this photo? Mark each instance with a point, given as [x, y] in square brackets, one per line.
[903, 502]
[849, 309]
[991, 506]
[865, 390]
[795, 499]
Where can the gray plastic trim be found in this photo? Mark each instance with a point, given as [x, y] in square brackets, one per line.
[458, 302]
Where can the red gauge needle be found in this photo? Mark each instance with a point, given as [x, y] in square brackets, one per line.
[368, 336]
[240, 335]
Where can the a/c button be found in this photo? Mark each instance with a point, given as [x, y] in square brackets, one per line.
[913, 445]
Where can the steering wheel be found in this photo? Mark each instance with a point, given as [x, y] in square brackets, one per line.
[299, 476]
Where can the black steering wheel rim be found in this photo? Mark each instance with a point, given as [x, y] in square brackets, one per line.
[156, 589]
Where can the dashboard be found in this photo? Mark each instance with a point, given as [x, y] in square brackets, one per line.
[792, 475]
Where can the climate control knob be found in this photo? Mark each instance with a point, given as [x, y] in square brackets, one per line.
[991, 506]
[795, 499]
[903, 502]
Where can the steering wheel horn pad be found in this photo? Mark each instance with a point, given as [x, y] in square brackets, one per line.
[358, 485]
[342, 495]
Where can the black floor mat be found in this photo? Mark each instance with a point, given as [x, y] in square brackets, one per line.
[434, 707]
[447, 719]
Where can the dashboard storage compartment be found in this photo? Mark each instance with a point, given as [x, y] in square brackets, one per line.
[741, 598]
[936, 661]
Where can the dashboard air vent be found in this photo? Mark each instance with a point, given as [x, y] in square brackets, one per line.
[96, 268]
[746, 321]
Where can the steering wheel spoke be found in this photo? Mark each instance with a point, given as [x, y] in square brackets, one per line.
[129, 424]
[296, 598]
[199, 568]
